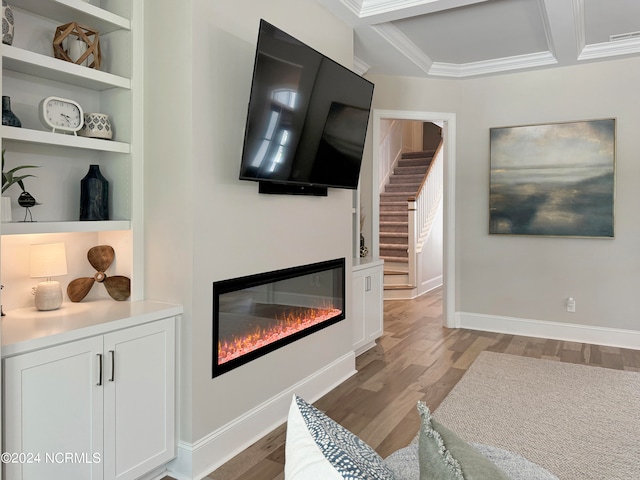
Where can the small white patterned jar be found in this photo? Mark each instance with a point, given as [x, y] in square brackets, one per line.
[7, 23]
[96, 125]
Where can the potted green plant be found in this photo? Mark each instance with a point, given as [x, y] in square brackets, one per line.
[8, 179]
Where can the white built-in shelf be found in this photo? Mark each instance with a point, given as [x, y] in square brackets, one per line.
[51, 68]
[22, 228]
[16, 134]
[78, 11]
[31, 73]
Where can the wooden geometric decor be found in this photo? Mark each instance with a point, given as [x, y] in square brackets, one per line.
[78, 32]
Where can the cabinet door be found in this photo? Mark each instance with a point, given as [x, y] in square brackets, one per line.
[139, 399]
[373, 303]
[367, 309]
[358, 311]
[53, 412]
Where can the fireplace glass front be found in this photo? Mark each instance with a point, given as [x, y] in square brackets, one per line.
[257, 314]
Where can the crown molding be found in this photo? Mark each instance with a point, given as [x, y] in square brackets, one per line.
[359, 66]
[370, 8]
[497, 65]
[354, 6]
[600, 51]
[390, 9]
[406, 47]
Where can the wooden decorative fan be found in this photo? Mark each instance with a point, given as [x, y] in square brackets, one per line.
[100, 258]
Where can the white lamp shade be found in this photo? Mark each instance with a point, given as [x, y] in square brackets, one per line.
[48, 260]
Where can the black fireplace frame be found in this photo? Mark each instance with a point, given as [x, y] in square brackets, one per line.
[234, 284]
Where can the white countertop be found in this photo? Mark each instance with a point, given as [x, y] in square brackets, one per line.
[366, 262]
[28, 329]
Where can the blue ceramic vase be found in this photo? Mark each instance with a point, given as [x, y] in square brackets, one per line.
[8, 117]
[94, 195]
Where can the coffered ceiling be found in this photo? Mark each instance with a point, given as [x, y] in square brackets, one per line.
[464, 38]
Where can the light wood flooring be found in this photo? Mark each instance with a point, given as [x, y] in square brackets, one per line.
[416, 359]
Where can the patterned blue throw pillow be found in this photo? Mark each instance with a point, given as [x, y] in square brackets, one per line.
[317, 448]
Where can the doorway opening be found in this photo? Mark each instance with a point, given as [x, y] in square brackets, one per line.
[448, 123]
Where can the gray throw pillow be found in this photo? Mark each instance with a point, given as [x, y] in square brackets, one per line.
[444, 455]
[405, 465]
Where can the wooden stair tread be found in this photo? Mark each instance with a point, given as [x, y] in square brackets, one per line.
[394, 234]
[395, 259]
[419, 154]
[401, 187]
[398, 287]
[393, 179]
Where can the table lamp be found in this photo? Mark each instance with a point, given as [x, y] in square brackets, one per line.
[48, 260]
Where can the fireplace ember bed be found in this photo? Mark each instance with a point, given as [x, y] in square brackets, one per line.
[257, 314]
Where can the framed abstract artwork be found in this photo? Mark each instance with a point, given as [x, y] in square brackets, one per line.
[553, 179]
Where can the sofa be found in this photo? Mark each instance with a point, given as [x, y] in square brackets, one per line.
[318, 448]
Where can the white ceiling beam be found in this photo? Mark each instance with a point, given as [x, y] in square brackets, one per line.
[564, 26]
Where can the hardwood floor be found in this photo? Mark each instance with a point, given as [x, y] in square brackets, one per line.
[416, 359]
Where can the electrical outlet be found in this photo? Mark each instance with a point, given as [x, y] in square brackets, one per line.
[571, 305]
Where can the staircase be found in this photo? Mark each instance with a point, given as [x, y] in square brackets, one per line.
[403, 183]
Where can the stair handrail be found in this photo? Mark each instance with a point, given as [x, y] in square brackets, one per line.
[422, 207]
[436, 157]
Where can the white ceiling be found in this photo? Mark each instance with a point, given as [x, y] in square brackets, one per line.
[463, 38]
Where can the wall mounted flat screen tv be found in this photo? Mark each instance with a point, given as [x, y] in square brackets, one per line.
[307, 117]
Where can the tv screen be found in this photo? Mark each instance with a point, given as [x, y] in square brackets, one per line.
[307, 117]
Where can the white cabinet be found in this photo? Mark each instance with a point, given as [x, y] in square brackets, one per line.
[367, 303]
[52, 405]
[96, 408]
[139, 388]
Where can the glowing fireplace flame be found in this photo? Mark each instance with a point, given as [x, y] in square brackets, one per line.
[292, 322]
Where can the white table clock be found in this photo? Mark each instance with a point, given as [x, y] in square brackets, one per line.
[61, 114]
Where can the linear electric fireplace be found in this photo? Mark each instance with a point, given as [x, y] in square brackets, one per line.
[257, 314]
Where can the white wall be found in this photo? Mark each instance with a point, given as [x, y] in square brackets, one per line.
[203, 224]
[531, 277]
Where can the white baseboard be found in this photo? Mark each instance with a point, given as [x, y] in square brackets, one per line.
[364, 348]
[571, 332]
[157, 474]
[415, 292]
[431, 284]
[197, 460]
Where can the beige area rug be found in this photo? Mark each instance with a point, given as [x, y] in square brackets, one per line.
[579, 422]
